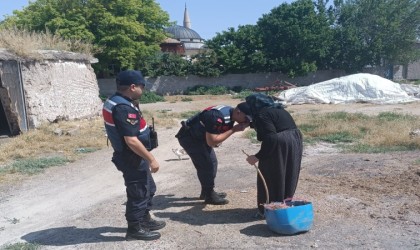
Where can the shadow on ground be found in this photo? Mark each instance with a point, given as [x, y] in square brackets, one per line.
[64, 236]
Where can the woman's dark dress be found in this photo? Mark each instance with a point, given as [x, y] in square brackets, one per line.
[280, 155]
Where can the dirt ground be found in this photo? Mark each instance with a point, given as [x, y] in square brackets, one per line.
[361, 201]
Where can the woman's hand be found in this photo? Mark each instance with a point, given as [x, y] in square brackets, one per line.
[252, 159]
[240, 126]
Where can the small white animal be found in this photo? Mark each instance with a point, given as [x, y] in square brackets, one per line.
[179, 152]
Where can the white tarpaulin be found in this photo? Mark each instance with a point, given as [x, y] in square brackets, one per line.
[353, 88]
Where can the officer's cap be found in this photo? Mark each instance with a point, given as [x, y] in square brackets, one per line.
[129, 77]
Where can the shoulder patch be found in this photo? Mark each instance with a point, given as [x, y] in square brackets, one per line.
[132, 116]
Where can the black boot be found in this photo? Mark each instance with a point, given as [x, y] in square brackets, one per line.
[220, 194]
[136, 232]
[151, 224]
[214, 199]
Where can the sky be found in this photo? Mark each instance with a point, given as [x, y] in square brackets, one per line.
[207, 16]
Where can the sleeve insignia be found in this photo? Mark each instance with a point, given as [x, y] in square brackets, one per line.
[132, 121]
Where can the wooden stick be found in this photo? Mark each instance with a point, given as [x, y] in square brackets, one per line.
[262, 178]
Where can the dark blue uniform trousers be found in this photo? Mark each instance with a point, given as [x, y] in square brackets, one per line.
[140, 186]
[203, 158]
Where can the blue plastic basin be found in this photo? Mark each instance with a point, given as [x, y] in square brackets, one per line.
[295, 219]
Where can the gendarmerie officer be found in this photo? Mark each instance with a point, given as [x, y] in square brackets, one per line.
[204, 131]
[128, 133]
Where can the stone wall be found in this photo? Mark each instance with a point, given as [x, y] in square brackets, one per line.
[57, 90]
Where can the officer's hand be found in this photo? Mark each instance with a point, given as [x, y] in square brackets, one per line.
[252, 159]
[154, 166]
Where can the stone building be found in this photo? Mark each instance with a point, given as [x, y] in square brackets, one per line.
[57, 86]
[189, 41]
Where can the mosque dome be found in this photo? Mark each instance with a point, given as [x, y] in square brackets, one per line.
[181, 32]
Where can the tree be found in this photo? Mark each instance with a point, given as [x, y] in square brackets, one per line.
[166, 64]
[376, 32]
[239, 51]
[128, 31]
[297, 37]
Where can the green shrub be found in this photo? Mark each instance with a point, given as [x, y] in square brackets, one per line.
[207, 90]
[151, 97]
[244, 93]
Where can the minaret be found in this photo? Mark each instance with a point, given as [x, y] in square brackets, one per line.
[187, 23]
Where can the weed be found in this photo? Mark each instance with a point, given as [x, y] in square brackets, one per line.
[33, 166]
[22, 246]
[188, 114]
[186, 99]
[338, 137]
[26, 43]
[251, 135]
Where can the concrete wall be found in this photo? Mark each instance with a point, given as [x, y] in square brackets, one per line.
[413, 71]
[169, 85]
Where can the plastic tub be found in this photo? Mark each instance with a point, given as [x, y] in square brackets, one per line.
[296, 218]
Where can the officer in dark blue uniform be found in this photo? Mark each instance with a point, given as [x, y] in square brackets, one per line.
[204, 131]
[128, 133]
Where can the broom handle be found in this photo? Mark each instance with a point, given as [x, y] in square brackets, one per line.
[262, 178]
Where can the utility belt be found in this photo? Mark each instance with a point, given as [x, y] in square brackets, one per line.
[194, 129]
[184, 131]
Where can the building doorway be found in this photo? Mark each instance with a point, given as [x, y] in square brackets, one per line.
[4, 125]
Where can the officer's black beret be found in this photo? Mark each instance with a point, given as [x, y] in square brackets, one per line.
[129, 77]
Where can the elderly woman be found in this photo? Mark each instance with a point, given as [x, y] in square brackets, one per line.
[279, 158]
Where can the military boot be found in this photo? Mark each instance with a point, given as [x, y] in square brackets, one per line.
[149, 223]
[220, 194]
[136, 232]
[214, 199]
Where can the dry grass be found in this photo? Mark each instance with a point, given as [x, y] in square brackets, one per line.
[88, 135]
[389, 130]
[386, 130]
[25, 43]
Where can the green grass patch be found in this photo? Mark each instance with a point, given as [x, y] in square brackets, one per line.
[188, 114]
[186, 99]
[34, 166]
[242, 94]
[344, 116]
[391, 116]
[305, 128]
[339, 137]
[22, 246]
[151, 97]
[363, 148]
